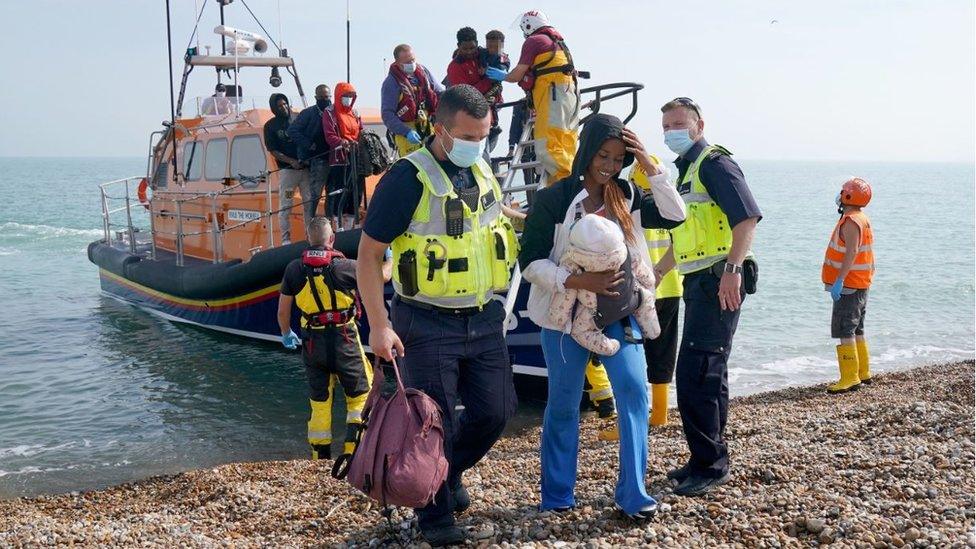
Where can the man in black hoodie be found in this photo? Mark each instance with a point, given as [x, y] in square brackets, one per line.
[292, 172]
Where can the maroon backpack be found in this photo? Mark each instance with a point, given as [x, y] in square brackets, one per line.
[399, 459]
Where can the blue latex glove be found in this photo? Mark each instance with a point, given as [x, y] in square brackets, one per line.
[496, 74]
[835, 290]
[413, 137]
[290, 340]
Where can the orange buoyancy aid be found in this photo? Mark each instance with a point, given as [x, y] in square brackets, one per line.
[862, 271]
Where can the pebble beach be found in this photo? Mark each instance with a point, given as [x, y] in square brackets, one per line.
[890, 465]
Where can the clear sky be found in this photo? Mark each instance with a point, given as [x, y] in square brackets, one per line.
[833, 79]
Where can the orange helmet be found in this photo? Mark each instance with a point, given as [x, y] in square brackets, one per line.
[855, 192]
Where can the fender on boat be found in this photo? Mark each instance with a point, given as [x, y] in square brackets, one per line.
[208, 280]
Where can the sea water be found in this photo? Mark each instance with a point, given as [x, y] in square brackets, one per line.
[95, 392]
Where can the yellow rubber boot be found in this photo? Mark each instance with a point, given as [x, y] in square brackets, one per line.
[659, 404]
[863, 359]
[320, 424]
[598, 384]
[609, 431]
[601, 395]
[847, 362]
[354, 418]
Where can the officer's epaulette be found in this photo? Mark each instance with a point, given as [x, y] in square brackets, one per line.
[718, 151]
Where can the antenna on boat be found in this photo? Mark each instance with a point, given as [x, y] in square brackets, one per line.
[223, 45]
[348, 77]
[172, 105]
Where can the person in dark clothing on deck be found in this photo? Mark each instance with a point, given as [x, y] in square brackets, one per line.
[292, 172]
[306, 132]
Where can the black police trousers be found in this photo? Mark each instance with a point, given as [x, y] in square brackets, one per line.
[660, 352]
[701, 373]
[451, 358]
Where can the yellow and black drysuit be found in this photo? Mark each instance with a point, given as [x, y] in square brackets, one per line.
[551, 84]
[323, 282]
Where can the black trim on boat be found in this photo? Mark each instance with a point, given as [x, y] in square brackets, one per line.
[207, 280]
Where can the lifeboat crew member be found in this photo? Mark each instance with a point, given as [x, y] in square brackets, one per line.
[661, 352]
[711, 248]
[408, 98]
[847, 271]
[322, 284]
[440, 208]
[546, 72]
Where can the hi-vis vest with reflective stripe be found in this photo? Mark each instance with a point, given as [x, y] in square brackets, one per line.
[658, 241]
[862, 271]
[456, 271]
[705, 237]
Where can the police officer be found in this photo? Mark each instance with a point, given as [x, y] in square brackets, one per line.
[440, 210]
[711, 249]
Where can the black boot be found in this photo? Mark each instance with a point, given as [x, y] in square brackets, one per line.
[440, 536]
[461, 498]
[605, 408]
[321, 451]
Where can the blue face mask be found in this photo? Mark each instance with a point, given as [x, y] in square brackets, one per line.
[679, 141]
[463, 153]
[408, 68]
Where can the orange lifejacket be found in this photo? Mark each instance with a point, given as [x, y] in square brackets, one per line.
[862, 271]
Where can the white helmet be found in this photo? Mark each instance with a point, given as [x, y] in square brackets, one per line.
[532, 21]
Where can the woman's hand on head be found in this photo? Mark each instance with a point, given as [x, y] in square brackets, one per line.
[635, 147]
[601, 283]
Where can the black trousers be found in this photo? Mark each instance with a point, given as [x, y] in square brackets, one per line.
[451, 357]
[660, 353]
[334, 350]
[702, 373]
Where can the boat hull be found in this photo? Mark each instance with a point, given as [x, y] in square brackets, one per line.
[242, 299]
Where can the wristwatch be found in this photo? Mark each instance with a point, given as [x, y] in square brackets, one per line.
[732, 268]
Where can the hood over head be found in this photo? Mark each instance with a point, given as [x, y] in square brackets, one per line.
[342, 88]
[275, 97]
[597, 129]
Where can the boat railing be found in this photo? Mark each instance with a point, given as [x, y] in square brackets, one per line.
[173, 204]
[522, 159]
[126, 192]
[592, 99]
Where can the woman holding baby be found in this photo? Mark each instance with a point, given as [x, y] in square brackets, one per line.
[549, 246]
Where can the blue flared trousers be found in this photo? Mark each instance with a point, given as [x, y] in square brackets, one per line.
[566, 364]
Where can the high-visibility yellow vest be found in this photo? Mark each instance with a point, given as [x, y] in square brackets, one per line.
[705, 237]
[658, 240]
[454, 271]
